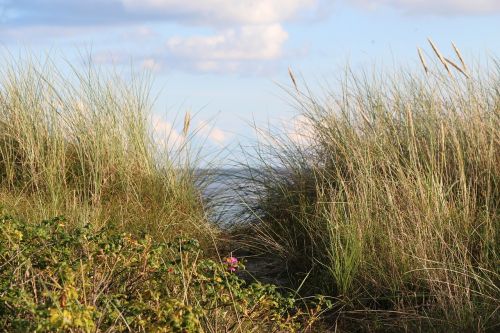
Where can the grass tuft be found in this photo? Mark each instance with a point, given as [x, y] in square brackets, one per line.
[390, 200]
[81, 143]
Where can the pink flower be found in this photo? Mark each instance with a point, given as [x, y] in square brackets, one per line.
[231, 263]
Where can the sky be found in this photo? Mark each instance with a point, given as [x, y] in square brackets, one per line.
[225, 60]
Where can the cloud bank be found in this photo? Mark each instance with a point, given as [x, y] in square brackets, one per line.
[213, 13]
[435, 7]
[231, 35]
[222, 12]
[228, 48]
[239, 33]
[192, 12]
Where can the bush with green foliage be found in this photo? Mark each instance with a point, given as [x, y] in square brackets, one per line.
[59, 279]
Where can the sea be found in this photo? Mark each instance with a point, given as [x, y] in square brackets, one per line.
[227, 194]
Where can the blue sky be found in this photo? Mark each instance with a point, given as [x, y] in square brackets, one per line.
[222, 59]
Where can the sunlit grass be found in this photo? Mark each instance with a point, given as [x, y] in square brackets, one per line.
[390, 201]
[81, 143]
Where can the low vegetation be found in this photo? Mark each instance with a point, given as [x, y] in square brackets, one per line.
[389, 199]
[55, 280]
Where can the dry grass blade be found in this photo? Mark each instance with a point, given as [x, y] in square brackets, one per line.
[440, 56]
[292, 77]
[459, 55]
[187, 122]
[457, 67]
[422, 60]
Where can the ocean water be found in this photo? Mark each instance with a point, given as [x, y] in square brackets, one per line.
[226, 194]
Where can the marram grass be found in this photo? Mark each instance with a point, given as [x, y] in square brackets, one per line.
[390, 199]
[80, 143]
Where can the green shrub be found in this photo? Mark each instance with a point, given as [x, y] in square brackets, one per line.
[55, 279]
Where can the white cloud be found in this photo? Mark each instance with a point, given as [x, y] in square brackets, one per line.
[297, 130]
[218, 136]
[168, 136]
[229, 47]
[441, 7]
[151, 64]
[216, 12]
[214, 134]
[165, 134]
[247, 33]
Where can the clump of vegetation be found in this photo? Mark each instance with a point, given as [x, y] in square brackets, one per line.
[81, 143]
[55, 279]
[136, 251]
[390, 200]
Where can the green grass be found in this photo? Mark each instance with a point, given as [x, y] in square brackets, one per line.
[80, 143]
[390, 202]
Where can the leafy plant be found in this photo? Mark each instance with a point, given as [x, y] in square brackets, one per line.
[55, 278]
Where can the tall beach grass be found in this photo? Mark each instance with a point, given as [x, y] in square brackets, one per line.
[389, 200]
[81, 143]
